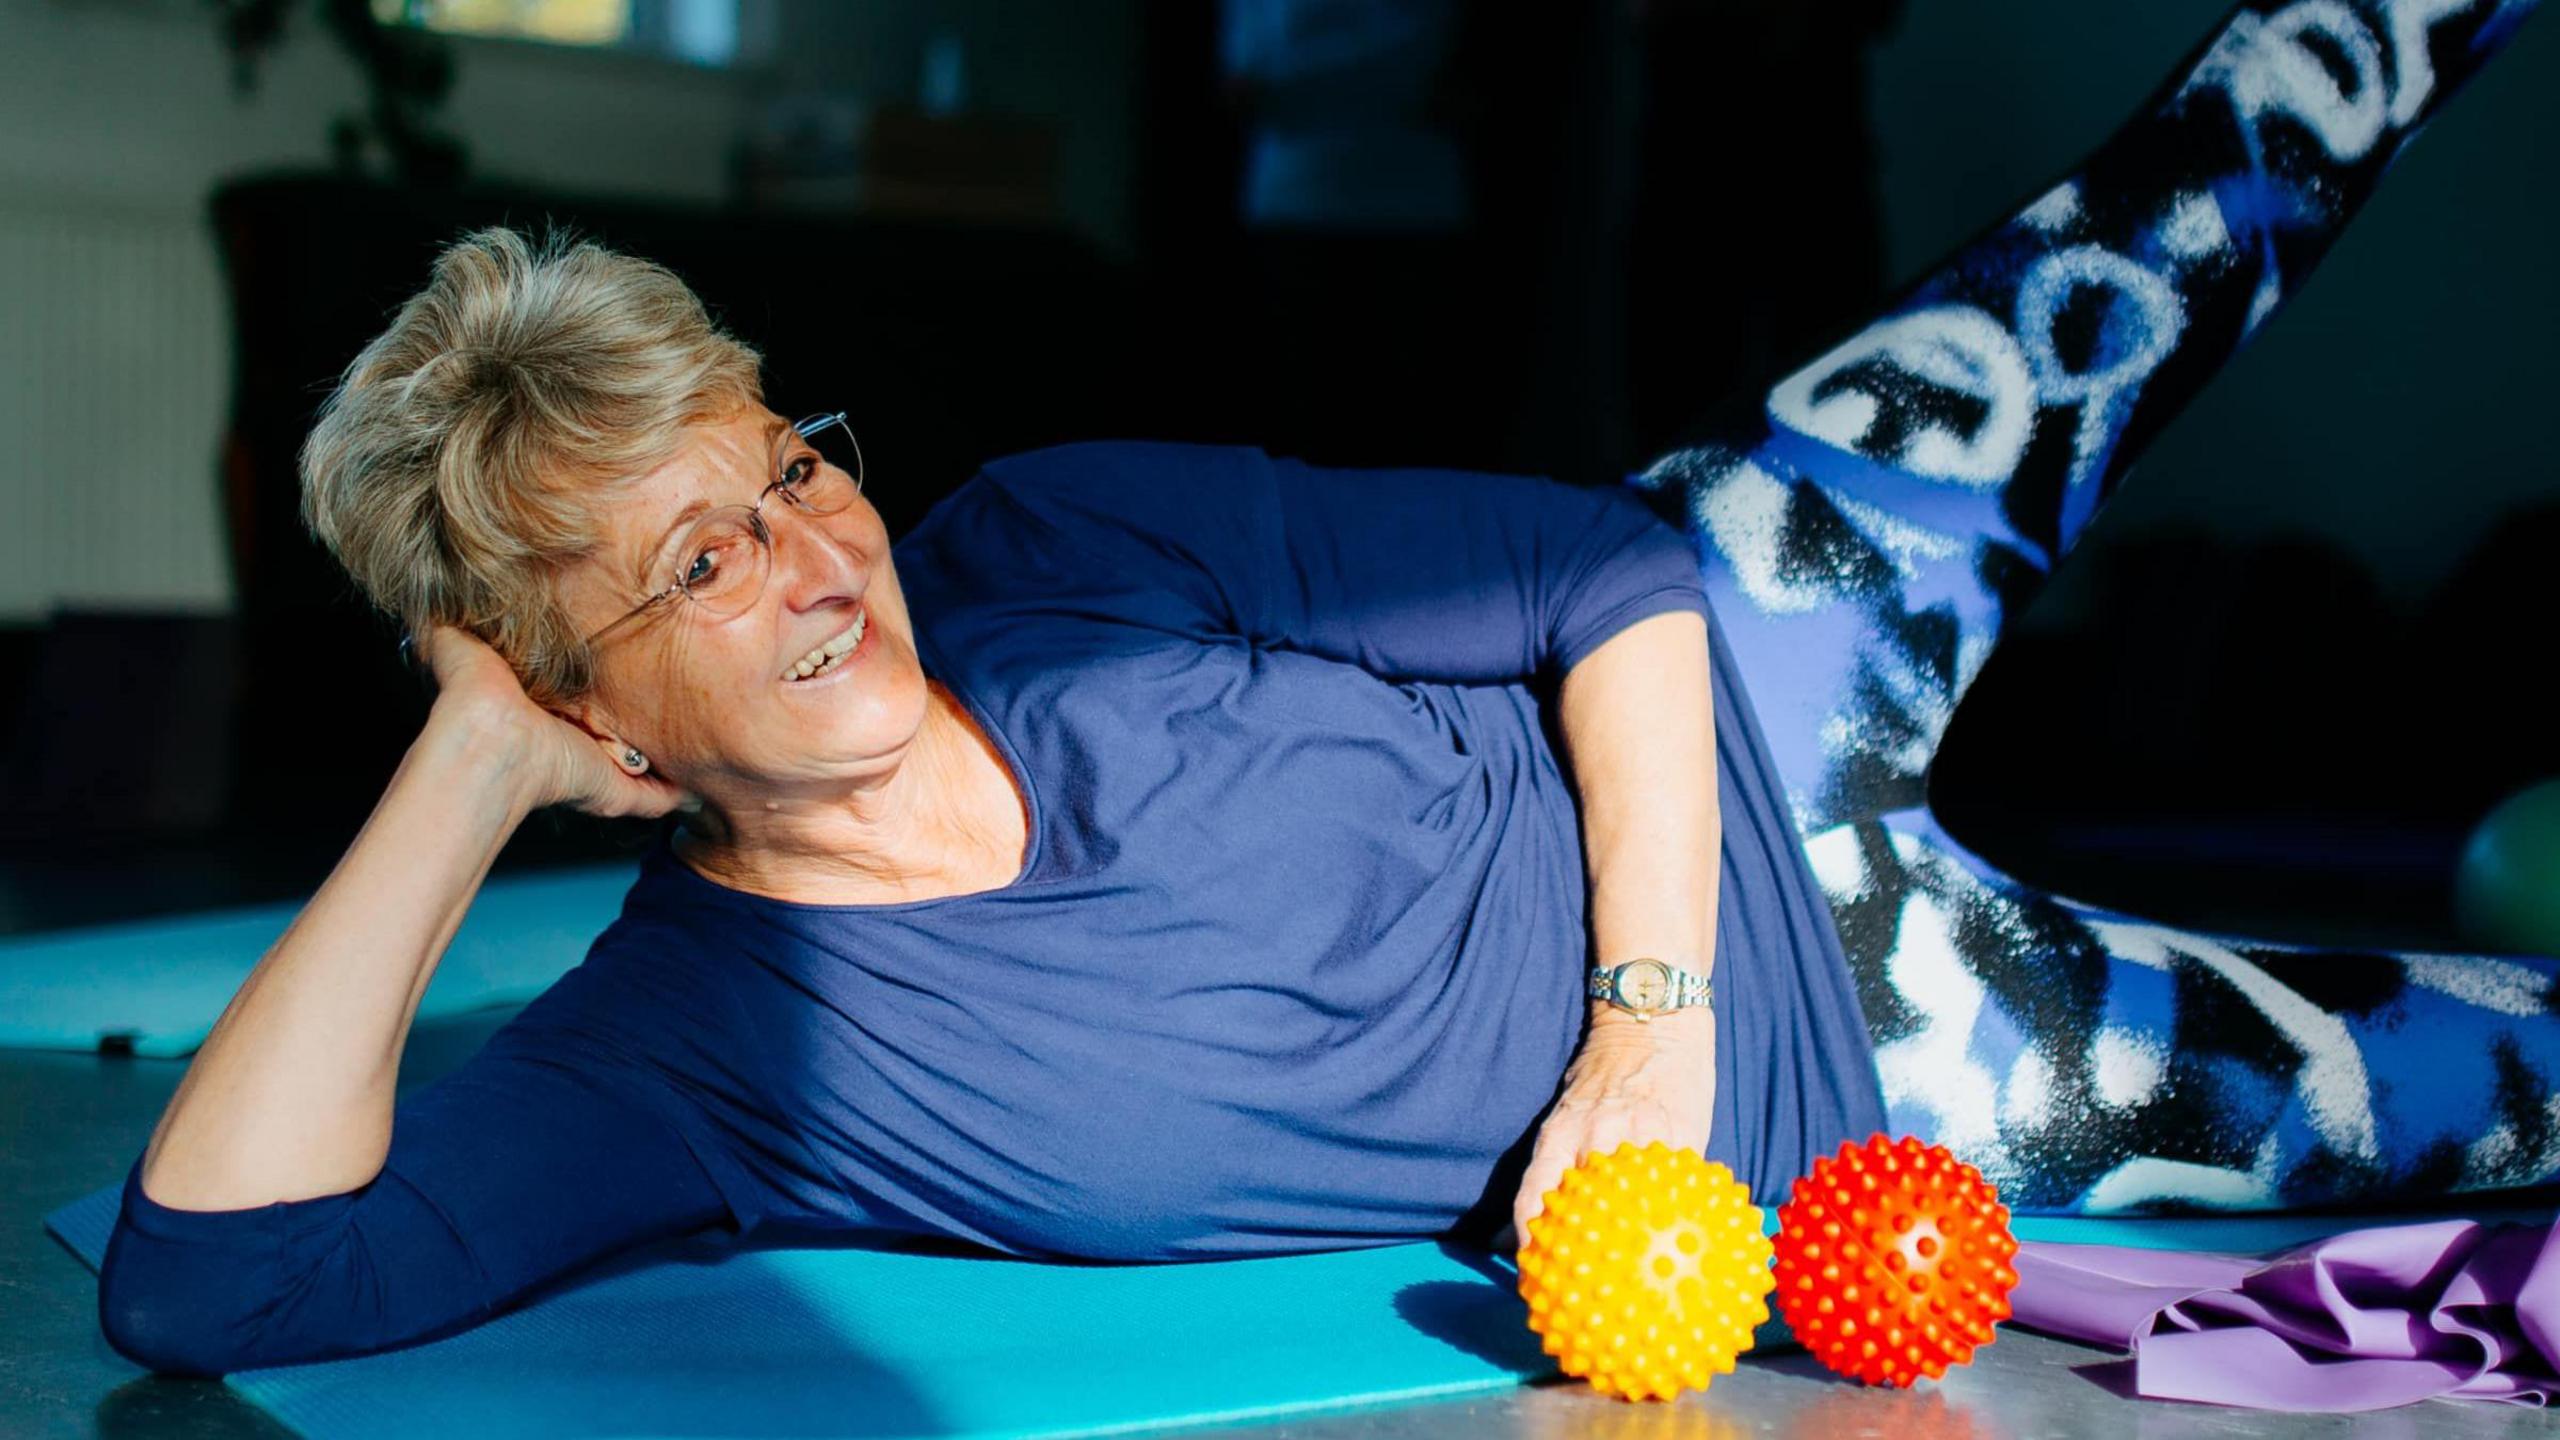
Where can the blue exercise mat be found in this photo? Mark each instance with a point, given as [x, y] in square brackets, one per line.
[713, 1335]
[709, 1335]
[155, 987]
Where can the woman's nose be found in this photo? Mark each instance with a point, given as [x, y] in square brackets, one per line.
[811, 562]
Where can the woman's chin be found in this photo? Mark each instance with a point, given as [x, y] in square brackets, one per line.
[851, 724]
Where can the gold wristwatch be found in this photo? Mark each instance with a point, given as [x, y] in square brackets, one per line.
[1647, 987]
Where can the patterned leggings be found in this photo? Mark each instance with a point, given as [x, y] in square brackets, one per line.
[1869, 525]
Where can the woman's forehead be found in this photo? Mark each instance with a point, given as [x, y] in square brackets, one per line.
[716, 455]
[722, 464]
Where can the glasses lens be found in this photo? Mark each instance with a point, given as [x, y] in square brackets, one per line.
[723, 563]
[825, 468]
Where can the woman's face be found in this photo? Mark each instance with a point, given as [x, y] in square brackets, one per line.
[714, 702]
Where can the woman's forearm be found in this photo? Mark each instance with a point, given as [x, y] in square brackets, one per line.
[1639, 729]
[290, 1096]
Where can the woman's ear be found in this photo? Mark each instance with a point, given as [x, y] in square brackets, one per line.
[593, 719]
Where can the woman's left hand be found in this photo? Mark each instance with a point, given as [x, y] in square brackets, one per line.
[1624, 1084]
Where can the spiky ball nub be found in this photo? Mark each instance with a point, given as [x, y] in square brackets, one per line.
[1894, 1261]
[1646, 1271]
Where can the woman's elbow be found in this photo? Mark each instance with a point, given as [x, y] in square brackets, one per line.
[259, 1292]
[168, 1333]
[185, 1309]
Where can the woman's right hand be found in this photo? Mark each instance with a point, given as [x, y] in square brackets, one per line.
[476, 688]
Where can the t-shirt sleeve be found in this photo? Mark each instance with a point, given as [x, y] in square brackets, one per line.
[1413, 574]
[546, 1150]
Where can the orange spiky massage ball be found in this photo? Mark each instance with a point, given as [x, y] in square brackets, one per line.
[1893, 1261]
[1647, 1271]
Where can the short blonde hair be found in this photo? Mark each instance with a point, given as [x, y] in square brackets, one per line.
[458, 465]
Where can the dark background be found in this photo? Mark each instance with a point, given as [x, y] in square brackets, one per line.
[2277, 684]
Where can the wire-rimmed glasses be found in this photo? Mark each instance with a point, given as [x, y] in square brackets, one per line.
[726, 557]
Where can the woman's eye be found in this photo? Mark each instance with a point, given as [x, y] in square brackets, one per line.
[797, 470]
[704, 566]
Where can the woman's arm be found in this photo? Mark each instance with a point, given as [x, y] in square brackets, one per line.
[1449, 576]
[290, 1097]
[545, 1151]
[281, 1167]
[1639, 732]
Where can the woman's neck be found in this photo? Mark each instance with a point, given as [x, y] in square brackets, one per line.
[950, 821]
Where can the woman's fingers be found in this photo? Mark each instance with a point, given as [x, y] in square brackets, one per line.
[462, 665]
[1559, 1145]
[1595, 1116]
[422, 648]
[444, 647]
[644, 797]
[579, 771]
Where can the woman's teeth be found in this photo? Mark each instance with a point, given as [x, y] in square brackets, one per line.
[824, 657]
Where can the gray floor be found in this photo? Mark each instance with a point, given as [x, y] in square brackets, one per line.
[71, 1123]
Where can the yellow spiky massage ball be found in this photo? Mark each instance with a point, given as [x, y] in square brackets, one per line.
[1646, 1271]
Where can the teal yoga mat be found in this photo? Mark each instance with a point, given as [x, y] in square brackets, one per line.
[714, 1335]
[155, 987]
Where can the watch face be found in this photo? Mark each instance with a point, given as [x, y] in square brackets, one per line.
[1645, 984]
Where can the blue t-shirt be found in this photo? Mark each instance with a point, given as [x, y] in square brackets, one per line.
[1295, 961]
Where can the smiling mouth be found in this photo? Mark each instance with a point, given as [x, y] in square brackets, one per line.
[830, 655]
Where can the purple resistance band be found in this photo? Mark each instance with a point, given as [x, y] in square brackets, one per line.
[2359, 1321]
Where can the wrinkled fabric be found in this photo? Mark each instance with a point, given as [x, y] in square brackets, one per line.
[2359, 1321]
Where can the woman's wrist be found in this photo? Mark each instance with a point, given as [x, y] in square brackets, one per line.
[1690, 1025]
[483, 749]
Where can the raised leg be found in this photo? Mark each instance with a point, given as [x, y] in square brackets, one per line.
[1869, 525]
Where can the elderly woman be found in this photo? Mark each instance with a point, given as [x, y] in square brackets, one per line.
[1158, 853]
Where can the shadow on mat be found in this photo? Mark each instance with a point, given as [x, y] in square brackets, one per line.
[1489, 1321]
[155, 1407]
[789, 1373]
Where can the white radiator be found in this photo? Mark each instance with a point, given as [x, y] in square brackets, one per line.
[114, 386]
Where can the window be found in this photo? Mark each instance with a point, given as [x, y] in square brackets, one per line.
[701, 32]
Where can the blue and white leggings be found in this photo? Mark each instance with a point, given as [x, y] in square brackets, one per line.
[1869, 525]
